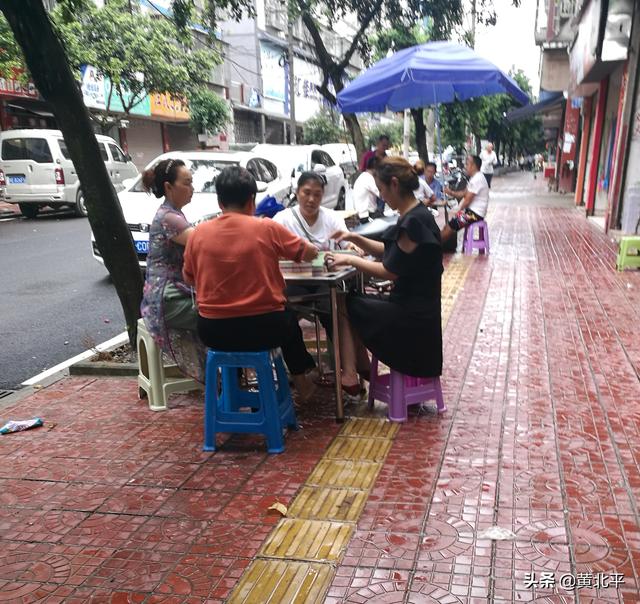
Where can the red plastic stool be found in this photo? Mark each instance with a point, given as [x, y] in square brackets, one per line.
[399, 391]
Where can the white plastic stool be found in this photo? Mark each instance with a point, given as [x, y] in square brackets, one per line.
[155, 379]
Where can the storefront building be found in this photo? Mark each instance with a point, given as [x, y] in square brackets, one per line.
[600, 66]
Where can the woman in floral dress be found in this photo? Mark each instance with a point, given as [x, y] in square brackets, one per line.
[168, 307]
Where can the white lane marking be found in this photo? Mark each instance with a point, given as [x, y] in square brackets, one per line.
[113, 342]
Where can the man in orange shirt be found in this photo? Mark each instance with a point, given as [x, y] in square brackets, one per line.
[233, 263]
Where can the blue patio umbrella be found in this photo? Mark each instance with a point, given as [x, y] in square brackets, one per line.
[425, 75]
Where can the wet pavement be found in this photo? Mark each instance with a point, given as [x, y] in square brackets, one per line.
[110, 502]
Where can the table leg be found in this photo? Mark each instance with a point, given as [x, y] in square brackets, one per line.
[336, 352]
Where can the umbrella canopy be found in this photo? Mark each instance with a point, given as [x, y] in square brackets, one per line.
[424, 75]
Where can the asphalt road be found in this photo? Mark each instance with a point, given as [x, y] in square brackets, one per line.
[55, 299]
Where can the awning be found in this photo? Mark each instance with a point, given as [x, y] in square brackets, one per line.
[553, 101]
[39, 112]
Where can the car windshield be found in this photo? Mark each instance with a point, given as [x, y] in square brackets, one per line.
[204, 174]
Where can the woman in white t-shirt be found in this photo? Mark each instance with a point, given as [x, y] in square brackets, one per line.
[474, 199]
[309, 219]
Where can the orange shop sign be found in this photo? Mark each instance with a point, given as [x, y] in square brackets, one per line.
[167, 105]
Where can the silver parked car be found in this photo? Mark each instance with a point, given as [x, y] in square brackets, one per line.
[36, 170]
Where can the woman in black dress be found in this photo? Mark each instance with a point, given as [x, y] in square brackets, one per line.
[404, 330]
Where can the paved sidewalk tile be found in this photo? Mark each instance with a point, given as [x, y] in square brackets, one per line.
[109, 502]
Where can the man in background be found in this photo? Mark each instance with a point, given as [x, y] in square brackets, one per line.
[489, 160]
[380, 152]
[430, 177]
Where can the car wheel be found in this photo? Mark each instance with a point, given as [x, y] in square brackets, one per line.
[29, 210]
[342, 196]
[80, 208]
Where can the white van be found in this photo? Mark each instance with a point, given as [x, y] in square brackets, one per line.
[36, 170]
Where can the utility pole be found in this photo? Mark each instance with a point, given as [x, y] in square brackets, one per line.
[292, 86]
[406, 134]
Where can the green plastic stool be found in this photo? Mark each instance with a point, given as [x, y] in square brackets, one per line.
[625, 260]
[156, 381]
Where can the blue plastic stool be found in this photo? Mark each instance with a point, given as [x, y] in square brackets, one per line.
[271, 407]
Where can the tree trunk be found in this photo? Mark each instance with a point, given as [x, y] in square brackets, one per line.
[47, 62]
[421, 134]
[353, 126]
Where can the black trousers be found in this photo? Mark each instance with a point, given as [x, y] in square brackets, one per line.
[259, 332]
[488, 177]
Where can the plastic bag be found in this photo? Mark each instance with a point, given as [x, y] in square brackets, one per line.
[20, 425]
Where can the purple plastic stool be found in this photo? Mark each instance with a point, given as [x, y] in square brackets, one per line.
[399, 391]
[482, 243]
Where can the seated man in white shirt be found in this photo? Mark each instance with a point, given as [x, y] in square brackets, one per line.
[474, 199]
[366, 194]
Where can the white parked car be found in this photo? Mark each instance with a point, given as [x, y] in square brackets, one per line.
[294, 159]
[36, 170]
[345, 156]
[139, 207]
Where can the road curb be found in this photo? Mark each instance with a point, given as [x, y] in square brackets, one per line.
[60, 368]
[104, 368]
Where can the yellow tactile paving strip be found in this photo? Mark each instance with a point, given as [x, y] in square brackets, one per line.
[453, 280]
[297, 562]
[347, 474]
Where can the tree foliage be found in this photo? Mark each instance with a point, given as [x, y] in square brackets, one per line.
[394, 130]
[138, 53]
[208, 112]
[11, 58]
[485, 116]
[322, 129]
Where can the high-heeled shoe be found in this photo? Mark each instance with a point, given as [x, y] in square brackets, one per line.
[353, 389]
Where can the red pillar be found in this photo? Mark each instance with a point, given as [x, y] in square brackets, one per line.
[165, 138]
[597, 141]
[584, 149]
[568, 151]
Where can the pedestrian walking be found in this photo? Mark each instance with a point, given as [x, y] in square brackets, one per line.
[489, 160]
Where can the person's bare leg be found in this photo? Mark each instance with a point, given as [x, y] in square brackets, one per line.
[446, 232]
[347, 347]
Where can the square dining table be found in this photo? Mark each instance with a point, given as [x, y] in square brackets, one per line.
[305, 274]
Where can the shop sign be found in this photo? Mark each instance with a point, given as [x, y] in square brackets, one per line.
[164, 104]
[309, 101]
[584, 52]
[13, 87]
[273, 72]
[92, 86]
[617, 32]
[142, 107]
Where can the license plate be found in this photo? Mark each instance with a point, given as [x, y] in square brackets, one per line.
[142, 247]
[17, 180]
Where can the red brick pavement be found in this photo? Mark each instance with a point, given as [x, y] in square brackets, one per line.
[542, 437]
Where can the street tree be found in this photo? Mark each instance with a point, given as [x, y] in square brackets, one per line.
[208, 111]
[46, 60]
[322, 129]
[137, 53]
[394, 39]
[368, 16]
[42, 53]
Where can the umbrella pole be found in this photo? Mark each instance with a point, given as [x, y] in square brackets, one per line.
[439, 143]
